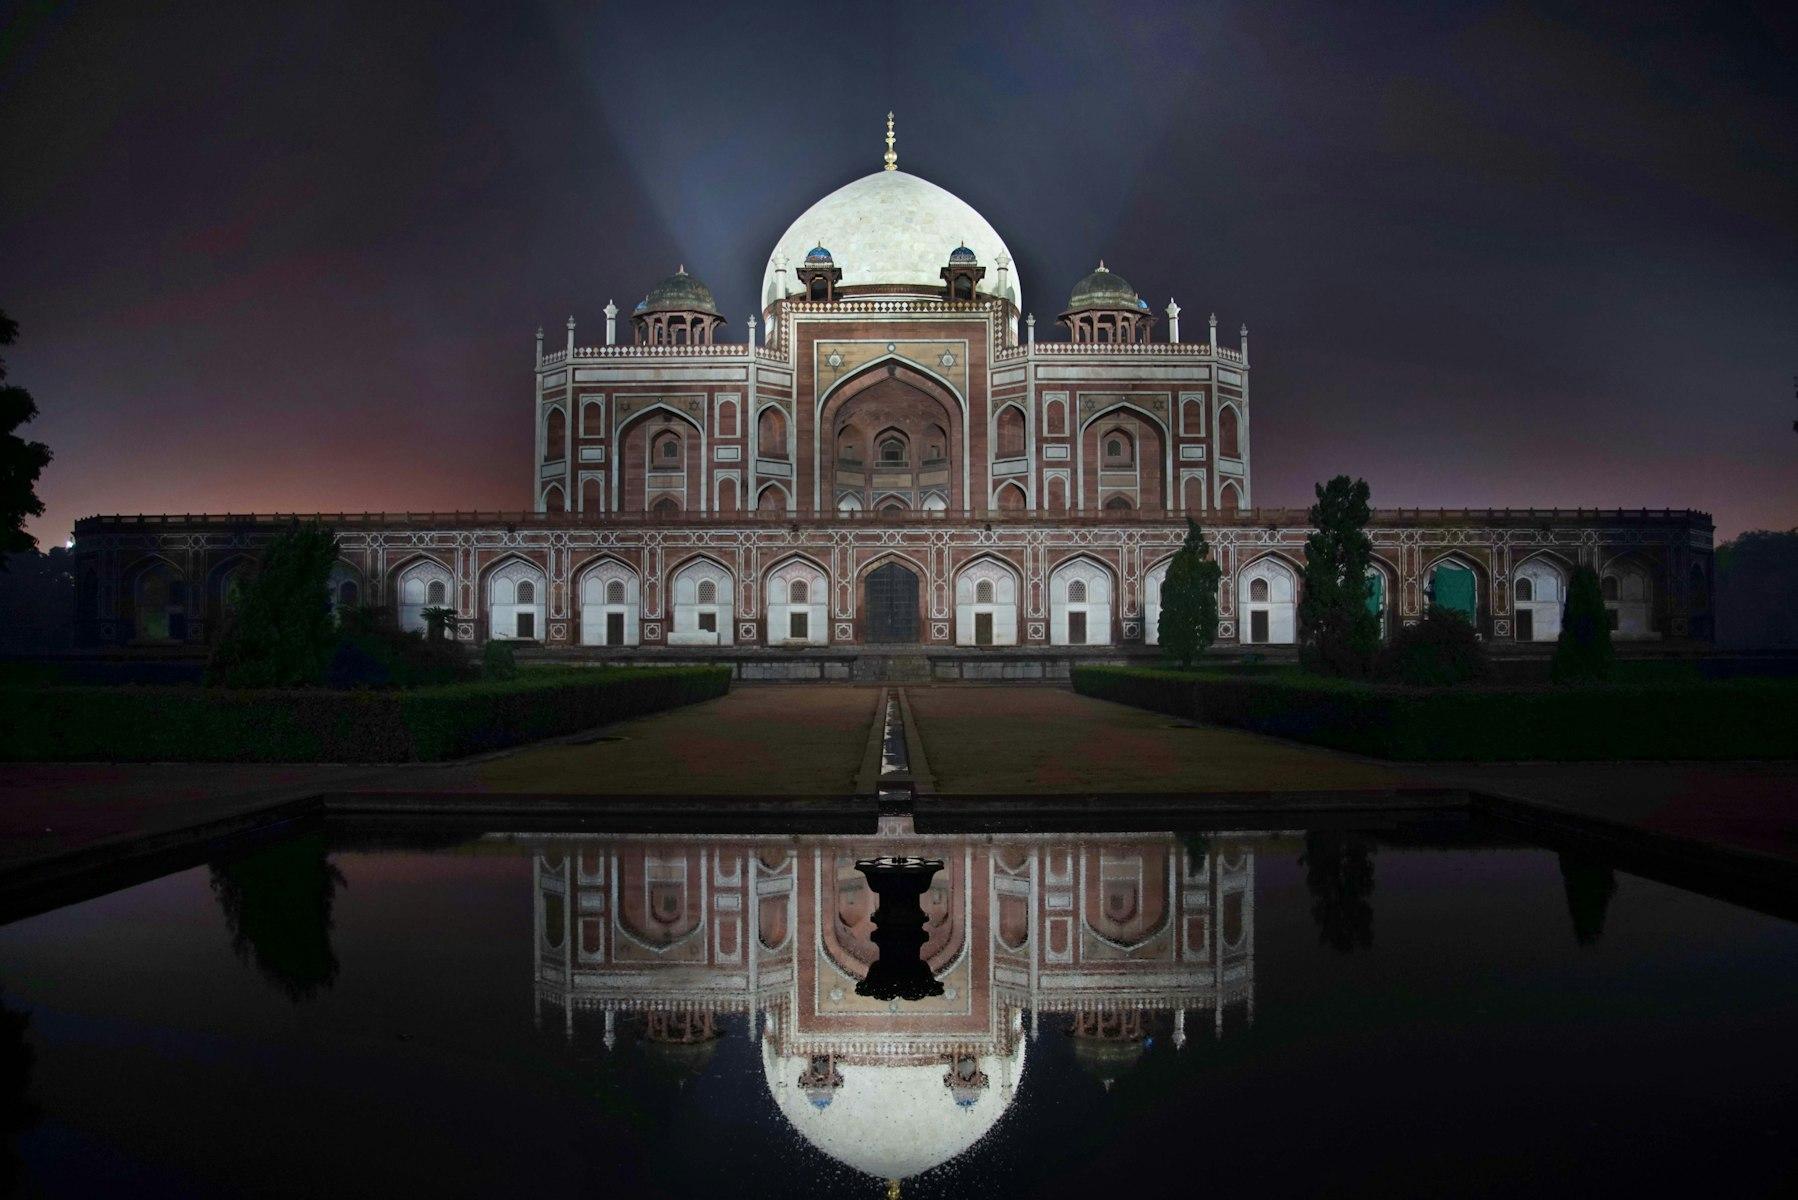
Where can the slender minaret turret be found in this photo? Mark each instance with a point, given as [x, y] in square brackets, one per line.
[1173, 321]
[611, 323]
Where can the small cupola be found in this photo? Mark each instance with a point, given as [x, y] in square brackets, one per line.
[819, 275]
[678, 311]
[1105, 308]
[963, 274]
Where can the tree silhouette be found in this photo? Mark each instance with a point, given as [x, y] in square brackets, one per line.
[1339, 875]
[282, 634]
[1187, 624]
[17, 1112]
[1590, 885]
[1338, 633]
[1583, 651]
[21, 462]
[277, 904]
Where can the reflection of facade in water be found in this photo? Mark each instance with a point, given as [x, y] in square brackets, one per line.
[1126, 935]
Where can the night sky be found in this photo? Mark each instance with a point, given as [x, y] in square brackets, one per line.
[291, 257]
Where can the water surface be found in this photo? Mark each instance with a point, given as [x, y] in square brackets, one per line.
[1343, 1012]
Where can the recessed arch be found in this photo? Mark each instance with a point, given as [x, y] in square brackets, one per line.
[773, 498]
[988, 589]
[609, 590]
[771, 432]
[1628, 586]
[158, 595]
[704, 602]
[632, 457]
[941, 406]
[417, 582]
[1445, 586]
[1229, 430]
[516, 590]
[796, 597]
[893, 590]
[1139, 468]
[555, 434]
[1081, 591]
[1267, 593]
[1010, 431]
[1538, 596]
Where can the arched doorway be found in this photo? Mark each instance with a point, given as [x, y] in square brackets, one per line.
[890, 602]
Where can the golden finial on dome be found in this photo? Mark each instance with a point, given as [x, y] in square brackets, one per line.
[892, 1184]
[892, 156]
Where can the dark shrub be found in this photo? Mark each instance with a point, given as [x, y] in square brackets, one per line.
[281, 634]
[132, 724]
[1583, 651]
[1668, 720]
[498, 661]
[1440, 650]
[374, 652]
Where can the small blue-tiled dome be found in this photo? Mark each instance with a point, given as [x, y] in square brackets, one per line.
[817, 254]
[961, 254]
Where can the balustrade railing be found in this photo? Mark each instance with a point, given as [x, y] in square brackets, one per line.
[1264, 518]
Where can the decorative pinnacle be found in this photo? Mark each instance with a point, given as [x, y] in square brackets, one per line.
[892, 156]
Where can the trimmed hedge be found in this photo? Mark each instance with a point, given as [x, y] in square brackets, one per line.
[1711, 720]
[159, 724]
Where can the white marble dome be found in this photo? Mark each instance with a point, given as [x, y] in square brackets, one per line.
[892, 228]
[892, 1122]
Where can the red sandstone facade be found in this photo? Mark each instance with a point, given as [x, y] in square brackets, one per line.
[899, 461]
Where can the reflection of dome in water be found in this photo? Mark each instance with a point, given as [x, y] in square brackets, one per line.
[892, 1122]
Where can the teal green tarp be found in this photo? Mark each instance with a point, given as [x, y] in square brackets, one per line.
[1452, 588]
[1376, 592]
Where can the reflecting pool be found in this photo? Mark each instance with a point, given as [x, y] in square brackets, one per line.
[1426, 1010]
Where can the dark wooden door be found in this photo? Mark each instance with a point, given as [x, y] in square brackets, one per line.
[614, 629]
[892, 600]
[983, 629]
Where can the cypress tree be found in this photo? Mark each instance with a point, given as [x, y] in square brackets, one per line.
[1188, 621]
[1583, 651]
[282, 634]
[1338, 635]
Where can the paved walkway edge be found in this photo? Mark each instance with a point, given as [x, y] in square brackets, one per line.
[1733, 873]
[1762, 881]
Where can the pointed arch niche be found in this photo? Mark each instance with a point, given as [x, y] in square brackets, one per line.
[890, 403]
[1123, 458]
[986, 604]
[609, 604]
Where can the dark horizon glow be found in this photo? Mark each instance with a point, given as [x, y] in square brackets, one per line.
[293, 259]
